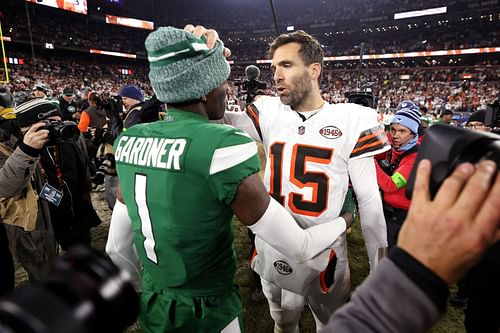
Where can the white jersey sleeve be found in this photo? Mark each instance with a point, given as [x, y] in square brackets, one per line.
[120, 246]
[371, 138]
[364, 181]
[245, 121]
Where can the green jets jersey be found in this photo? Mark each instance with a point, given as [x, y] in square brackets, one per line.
[178, 178]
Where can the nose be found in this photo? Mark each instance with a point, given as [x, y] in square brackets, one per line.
[278, 76]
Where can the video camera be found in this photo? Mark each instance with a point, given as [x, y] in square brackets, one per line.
[85, 292]
[110, 103]
[106, 166]
[250, 88]
[362, 97]
[492, 117]
[251, 85]
[447, 146]
[61, 131]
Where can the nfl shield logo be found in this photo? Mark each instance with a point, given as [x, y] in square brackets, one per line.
[302, 130]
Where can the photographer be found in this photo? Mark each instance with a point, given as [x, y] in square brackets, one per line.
[394, 167]
[65, 174]
[479, 289]
[33, 241]
[92, 120]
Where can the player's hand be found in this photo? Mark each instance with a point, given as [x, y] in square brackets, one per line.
[210, 34]
[36, 137]
[349, 219]
[449, 234]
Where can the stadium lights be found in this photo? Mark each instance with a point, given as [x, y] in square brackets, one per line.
[423, 12]
[438, 53]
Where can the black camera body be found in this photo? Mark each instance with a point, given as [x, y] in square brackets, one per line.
[112, 103]
[492, 117]
[250, 88]
[386, 166]
[62, 131]
[360, 97]
[107, 166]
[84, 292]
[447, 146]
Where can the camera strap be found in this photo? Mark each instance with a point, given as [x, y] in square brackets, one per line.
[54, 153]
[48, 192]
[394, 165]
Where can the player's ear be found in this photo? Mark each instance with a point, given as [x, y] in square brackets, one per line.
[315, 70]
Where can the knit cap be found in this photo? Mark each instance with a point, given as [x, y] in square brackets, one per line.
[408, 115]
[407, 105]
[42, 87]
[34, 110]
[132, 92]
[182, 67]
[479, 116]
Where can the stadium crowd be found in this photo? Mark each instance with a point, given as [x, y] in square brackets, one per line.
[460, 89]
[75, 31]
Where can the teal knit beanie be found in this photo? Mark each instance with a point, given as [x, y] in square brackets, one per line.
[182, 67]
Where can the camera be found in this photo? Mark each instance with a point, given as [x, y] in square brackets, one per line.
[62, 131]
[84, 292]
[386, 166]
[447, 146]
[249, 87]
[107, 166]
[492, 118]
[364, 98]
[110, 103]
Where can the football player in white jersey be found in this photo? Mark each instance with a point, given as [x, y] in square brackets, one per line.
[312, 148]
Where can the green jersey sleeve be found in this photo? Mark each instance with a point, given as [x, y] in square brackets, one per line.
[234, 159]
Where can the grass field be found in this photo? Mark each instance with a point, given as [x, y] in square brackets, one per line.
[257, 318]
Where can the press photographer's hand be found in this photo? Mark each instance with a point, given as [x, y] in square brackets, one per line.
[36, 137]
[450, 233]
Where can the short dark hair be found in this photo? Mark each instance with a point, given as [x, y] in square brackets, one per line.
[310, 49]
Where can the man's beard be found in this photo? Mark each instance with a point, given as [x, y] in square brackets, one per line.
[300, 88]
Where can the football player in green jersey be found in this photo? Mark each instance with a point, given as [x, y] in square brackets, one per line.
[183, 178]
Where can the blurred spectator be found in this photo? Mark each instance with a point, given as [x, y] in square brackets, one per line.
[6, 104]
[445, 117]
[67, 105]
[40, 90]
[132, 100]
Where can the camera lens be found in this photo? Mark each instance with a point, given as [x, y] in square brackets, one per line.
[85, 292]
[69, 133]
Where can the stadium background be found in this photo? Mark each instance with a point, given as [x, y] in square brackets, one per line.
[444, 61]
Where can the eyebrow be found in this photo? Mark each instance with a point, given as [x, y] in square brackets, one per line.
[281, 63]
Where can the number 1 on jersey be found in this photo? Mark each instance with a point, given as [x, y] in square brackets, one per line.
[143, 211]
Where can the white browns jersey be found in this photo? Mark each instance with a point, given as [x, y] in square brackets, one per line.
[307, 160]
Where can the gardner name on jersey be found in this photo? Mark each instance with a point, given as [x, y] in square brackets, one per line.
[160, 153]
